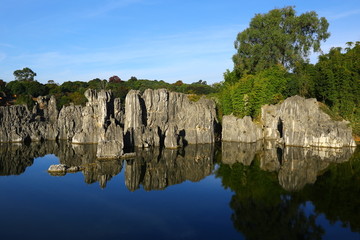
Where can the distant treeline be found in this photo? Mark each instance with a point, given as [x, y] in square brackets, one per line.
[22, 91]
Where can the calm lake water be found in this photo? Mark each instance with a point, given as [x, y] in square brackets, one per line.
[233, 191]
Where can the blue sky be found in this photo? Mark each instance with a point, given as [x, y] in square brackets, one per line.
[166, 40]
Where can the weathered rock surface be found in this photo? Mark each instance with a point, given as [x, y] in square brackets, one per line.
[18, 124]
[69, 121]
[300, 122]
[295, 122]
[112, 144]
[155, 118]
[241, 130]
[94, 116]
[163, 118]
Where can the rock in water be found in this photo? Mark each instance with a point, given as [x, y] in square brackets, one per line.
[69, 121]
[241, 130]
[112, 144]
[295, 122]
[163, 118]
[300, 122]
[94, 116]
[57, 168]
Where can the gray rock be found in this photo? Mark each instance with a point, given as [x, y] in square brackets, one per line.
[57, 168]
[94, 117]
[160, 117]
[295, 122]
[300, 122]
[69, 121]
[112, 144]
[171, 137]
[240, 129]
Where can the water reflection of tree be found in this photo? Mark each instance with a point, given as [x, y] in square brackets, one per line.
[336, 193]
[262, 209]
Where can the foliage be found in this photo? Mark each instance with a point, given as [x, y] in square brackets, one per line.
[26, 74]
[336, 192]
[25, 100]
[115, 79]
[337, 82]
[278, 37]
[32, 88]
[246, 97]
[2, 85]
[261, 208]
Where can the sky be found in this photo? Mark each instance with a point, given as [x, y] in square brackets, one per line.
[170, 40]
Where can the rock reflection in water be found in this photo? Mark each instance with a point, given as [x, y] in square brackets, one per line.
[152, 168]
[12, 159]
[156, 170]
[295, 166]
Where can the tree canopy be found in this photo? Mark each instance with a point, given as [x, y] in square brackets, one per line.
[278, 37]
[26, 74]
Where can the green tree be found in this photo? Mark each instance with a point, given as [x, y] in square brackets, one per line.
[278, 37]
[337, 82]
[31, 88]
[2, 86]
[246, 97]
[26, 74]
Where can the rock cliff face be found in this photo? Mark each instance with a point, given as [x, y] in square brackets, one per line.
[163, 118]
[295, 122]
[240, 130]
[300, 122]
[155, 118]
[18, 124]
[167, 119]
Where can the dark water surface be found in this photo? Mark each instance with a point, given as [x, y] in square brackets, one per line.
[236, 191]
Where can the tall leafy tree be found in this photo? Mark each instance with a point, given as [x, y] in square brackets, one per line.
[26, 74]
[278, 37]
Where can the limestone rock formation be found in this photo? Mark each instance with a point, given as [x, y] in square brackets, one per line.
[13, 123]
[69, 121]
[240, 129]
[163, 118]
[18, 124]
[94, 117]
[300, 122]
[112, 144]
[295, 122]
